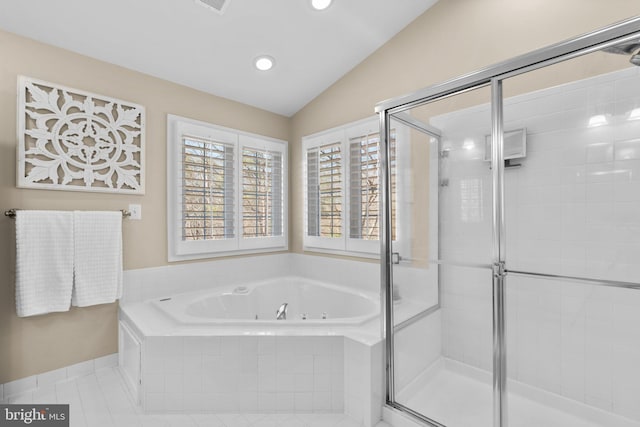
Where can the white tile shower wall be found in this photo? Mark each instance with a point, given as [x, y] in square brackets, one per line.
[243, 374]
[573, 208]
[416, 347]
[467, 315]
[416, 284]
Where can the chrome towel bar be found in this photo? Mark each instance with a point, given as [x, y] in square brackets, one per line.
[11, 213]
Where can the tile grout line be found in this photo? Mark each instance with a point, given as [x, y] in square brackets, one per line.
[77, 390]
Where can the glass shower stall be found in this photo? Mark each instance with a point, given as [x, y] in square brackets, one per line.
[511, 240]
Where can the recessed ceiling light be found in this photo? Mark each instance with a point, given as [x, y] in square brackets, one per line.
[320, 4]
[264, 63]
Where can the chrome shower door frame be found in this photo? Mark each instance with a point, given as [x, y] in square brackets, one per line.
[495, 75]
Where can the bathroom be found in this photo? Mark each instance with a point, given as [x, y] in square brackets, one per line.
[569, 346]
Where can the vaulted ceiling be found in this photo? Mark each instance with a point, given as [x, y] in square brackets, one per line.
[184, 42]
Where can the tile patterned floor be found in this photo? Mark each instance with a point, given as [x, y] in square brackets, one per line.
[101, 400]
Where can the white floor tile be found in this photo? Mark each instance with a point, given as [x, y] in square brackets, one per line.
[207, 420]
[348, 422]
[101, 399]
[126, 420]
[153, 421]
[179, 421]
[23, 385]
[23, 398]
[45, 394]
[234, 420]
[322, 420]
[294, 421]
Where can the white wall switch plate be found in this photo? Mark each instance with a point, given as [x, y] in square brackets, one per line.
[136, 211]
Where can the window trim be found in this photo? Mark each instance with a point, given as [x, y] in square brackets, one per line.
[180, 250]
[346, 245]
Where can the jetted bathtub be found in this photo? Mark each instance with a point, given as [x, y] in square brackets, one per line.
[228, 352]
[309, 303]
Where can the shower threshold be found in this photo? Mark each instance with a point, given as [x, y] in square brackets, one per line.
[459, 395]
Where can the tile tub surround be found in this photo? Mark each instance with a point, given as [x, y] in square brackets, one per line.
[243, 374]
[147, 283]
[234, 369]
[265, 374]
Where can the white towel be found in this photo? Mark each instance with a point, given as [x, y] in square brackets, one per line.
[44, 261]
[98, 257]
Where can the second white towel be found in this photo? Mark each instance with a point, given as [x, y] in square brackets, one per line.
[98, 257]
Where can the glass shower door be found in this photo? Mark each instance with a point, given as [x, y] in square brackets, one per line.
[442, 262]
[572, 202]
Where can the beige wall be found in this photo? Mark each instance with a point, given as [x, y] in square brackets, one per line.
[41, 343]
[452, 38]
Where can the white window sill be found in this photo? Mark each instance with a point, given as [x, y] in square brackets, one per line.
[367, 255]
[188, 257]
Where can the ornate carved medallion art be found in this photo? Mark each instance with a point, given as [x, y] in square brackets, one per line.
[74, 140]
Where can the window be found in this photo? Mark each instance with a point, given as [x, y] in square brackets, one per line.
[365, 162]
[342, 189]
[226, 191]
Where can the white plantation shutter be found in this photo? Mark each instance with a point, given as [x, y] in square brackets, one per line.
[324, 190]
[364, 186]
[207, 189]
[313, 195]
[262, 207]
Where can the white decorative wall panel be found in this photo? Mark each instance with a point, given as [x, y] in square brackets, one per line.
[74, 140]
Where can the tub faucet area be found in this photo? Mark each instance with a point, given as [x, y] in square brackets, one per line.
[281, 313]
